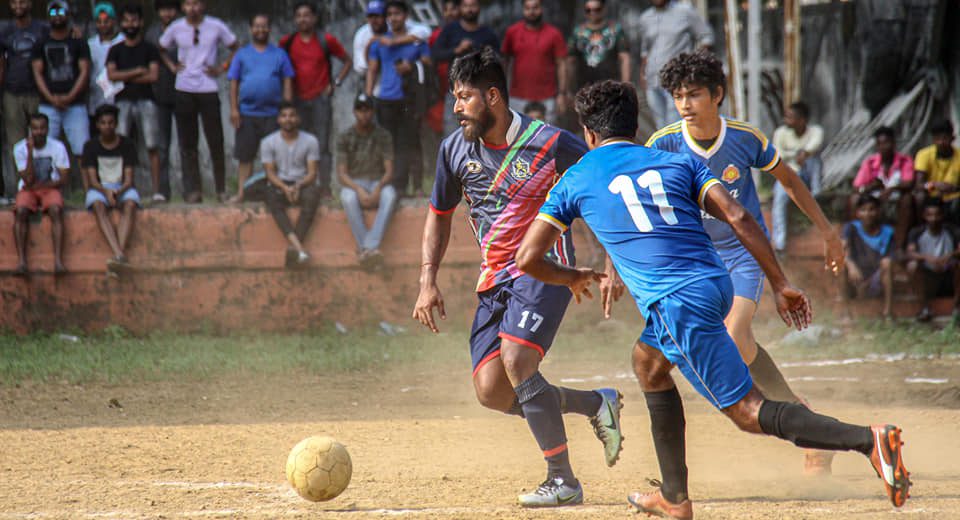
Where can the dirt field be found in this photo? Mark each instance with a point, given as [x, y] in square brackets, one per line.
[423, 448]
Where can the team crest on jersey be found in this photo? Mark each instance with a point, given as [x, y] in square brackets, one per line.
[474, 166]
[730, 174]
[521, 169]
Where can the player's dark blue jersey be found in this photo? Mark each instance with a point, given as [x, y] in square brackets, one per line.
[644, 207]
[738, 148]
[504, 187]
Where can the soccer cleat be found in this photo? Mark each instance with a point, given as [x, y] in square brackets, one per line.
[606, 424]
[887, 461]
[655, 504]
[817, 463]
[553, 492]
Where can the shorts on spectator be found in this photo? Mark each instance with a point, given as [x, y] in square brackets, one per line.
[252, 130]
[144, 113]
[873, 283]
[96, 196]
[38, 198]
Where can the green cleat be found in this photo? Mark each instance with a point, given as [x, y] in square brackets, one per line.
[606, 424]
[553, 492]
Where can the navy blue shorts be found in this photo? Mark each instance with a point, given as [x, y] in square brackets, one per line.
[523, 310]
[687, 327]
[744, 271]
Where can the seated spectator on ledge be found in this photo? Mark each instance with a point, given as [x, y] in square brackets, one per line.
[291, 159]
[869, 263]
[535, 110]
[108, 163]
[933, 252]
[799, 145]
[887, 176]
[365, 169]
[43, 167]
[938, 170]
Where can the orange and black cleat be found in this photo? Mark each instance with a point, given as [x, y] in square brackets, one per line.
[887, 461]
[655, 504]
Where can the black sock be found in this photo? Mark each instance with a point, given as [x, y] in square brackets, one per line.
[769, 380]
[807, 429]
[540, 402]
[583, 402]
[667, 425]
[515, 408]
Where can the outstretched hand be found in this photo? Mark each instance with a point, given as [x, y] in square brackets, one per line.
[794, 307]
[580, 285]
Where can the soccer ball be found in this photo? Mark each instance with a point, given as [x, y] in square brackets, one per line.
[319, 468]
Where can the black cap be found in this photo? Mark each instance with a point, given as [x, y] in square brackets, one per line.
[362, 101]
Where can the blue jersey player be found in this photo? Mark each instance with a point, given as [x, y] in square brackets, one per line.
[503, 164]
[644, 207]
[730, 148]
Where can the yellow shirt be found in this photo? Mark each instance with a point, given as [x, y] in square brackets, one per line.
[939, 170]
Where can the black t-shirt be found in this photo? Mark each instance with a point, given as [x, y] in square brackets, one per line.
[163, 89]
[126, 57]
[61, 62]
[109, 163]
[16, 46]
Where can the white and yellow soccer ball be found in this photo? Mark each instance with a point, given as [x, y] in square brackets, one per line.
[319, 468]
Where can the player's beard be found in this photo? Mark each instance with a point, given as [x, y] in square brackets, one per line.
[476, 127]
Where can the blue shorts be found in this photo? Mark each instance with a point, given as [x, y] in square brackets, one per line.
[96, 196]
[687, 327]
[523, 310]
[744, 271]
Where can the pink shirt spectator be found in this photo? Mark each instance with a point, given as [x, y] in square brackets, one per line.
[535, 53]
[197, 49]
[872, 168]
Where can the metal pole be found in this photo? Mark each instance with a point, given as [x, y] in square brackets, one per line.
[753, 61]
[791, 51]
[734, 66]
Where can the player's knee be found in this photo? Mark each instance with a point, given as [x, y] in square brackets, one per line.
[745, 413]
[492, 397]
[519, 362]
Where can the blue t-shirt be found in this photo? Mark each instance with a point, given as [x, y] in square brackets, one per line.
[644, 206]
[391, 83]
[261, 76]
[738, 148]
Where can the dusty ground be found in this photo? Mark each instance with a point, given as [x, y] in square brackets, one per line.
[423, 448]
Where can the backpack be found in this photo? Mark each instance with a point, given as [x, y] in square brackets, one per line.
[321, 37]
[421, 87]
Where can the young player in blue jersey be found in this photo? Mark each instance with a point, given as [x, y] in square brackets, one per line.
[730, 148]
[644, 206]
[504, 163]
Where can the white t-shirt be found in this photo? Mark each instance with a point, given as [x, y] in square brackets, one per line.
[47, 161]
[98, 63]
[786, 140]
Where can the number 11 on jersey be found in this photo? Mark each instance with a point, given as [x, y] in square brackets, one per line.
[651, 180]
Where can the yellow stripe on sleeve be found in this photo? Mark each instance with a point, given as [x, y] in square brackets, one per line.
[552, 221]
[703, 190]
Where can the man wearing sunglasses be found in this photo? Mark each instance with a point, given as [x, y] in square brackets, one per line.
[599, 49]
[197, 38]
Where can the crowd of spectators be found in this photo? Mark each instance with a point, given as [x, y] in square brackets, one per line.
[124, 87]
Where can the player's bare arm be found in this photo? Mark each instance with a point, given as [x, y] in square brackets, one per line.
[436, 236]
[531, 259]
[792, 304]
[833, 251]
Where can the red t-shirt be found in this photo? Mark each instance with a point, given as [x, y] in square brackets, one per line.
[535, 53]
[310, 63]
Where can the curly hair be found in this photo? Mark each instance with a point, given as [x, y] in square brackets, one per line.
[701, 69]
[480, 69]
[609, 108]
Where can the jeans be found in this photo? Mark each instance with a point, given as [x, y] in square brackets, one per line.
[277, 204]
[403, 123]
[316, 114]
[661, 105]
[368, 238]
[72, 121]
[207, 106]
[810, 173]
[164, 133]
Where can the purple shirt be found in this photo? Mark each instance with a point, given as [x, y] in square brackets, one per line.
[197, 57]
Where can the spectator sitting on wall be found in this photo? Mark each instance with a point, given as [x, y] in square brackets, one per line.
[311, 53]
[938, 170]
[888, 176]
[108, 163]
[105, 18]
[933, 252]
[869, 264]
[291, 159]
[799, 145]
[536, 59]
[43, 167]
[137, 64]
[260, 78]
[61, 68]
[535, 110]
[365, 169]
